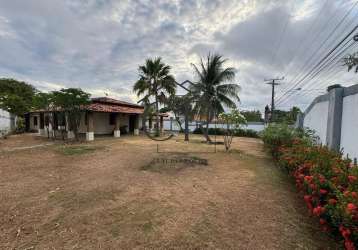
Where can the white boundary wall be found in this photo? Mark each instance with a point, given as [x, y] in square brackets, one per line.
[334, 118]
[316, 119]
[349, 133]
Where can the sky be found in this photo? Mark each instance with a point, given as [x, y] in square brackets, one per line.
[97, 45]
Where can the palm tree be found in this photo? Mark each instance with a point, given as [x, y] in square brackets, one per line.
[155, 82]
[352, 61]
[210, 92]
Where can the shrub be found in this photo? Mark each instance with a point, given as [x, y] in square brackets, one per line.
[238, 132]
[329, 184]
[20, 125]
[277, 135]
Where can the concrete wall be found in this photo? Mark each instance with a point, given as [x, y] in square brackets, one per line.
[6, 122]
[316, 119]
[349, 131]
[334, 117]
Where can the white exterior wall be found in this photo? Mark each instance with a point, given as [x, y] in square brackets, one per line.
[316, 119]
[349, 131]
[32, 125]
[5, 121]
[101, 123]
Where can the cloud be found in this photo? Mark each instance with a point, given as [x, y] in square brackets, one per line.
[98, 44]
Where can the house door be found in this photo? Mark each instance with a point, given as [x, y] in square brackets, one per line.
[132, 120]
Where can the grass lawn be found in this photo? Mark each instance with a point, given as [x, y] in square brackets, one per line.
[122, 194]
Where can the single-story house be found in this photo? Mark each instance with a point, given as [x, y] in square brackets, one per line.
[103, 116]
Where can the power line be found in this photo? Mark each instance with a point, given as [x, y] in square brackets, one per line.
[309, 60]
[321, 61]
[328, 66]
[314, 40]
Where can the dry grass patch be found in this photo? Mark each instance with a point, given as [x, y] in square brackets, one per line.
[109, 194]
[78, 149]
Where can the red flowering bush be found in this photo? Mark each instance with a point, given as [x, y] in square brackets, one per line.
[329, 185]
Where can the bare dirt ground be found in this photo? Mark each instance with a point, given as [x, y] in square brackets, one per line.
[122, 194]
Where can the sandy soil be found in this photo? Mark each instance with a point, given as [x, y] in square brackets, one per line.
[120, 195]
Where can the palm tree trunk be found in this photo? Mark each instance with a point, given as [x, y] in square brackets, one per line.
[157, 115]
[207, 126]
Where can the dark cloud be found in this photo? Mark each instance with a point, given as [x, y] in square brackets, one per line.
[98, 44]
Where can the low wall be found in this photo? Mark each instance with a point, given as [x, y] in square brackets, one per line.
[334, 118]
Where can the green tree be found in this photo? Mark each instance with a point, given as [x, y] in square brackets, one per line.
[16, 96]
[351, 62]
[288, 117]
[71, 102]
[210, 91]
[252, 116]
[179, 105]
[155, 81]
[232, 121]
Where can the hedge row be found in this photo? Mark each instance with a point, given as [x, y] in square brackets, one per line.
[328, 183]
[238, 132]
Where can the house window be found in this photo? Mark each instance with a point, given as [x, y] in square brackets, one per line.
[35, 120]
[112, 118]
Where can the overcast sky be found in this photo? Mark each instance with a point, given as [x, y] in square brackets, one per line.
[97, 45]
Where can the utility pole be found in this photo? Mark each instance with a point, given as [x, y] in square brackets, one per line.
[273, 82]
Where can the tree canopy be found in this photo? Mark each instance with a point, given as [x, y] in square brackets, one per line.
[252, 116]
[211, 92]
[16, 97]
[155, 81]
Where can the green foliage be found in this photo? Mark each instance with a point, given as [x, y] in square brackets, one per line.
[71, 102]
[351, 61]
[252, 116]
[155, 81]
[232, 119]
[288, 117]
[179, 105]
[238, 132]
[329, 182]
[16, 96]
[277, 135]
[20, 125]
[43, 101]
[209, 92]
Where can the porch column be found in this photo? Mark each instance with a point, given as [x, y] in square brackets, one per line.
[161, 124]
[117, 124]
[70, 133]
[136, 125]
[42, 124]
[90, 127]
[150, 122]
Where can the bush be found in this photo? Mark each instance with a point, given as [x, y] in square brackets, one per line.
[20, 125]
[328, 183]
[238, 132]
[277, 135]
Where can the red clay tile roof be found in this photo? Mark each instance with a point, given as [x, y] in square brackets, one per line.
[114, 101]
[112, 108]
[105, 104]
[109, 105]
